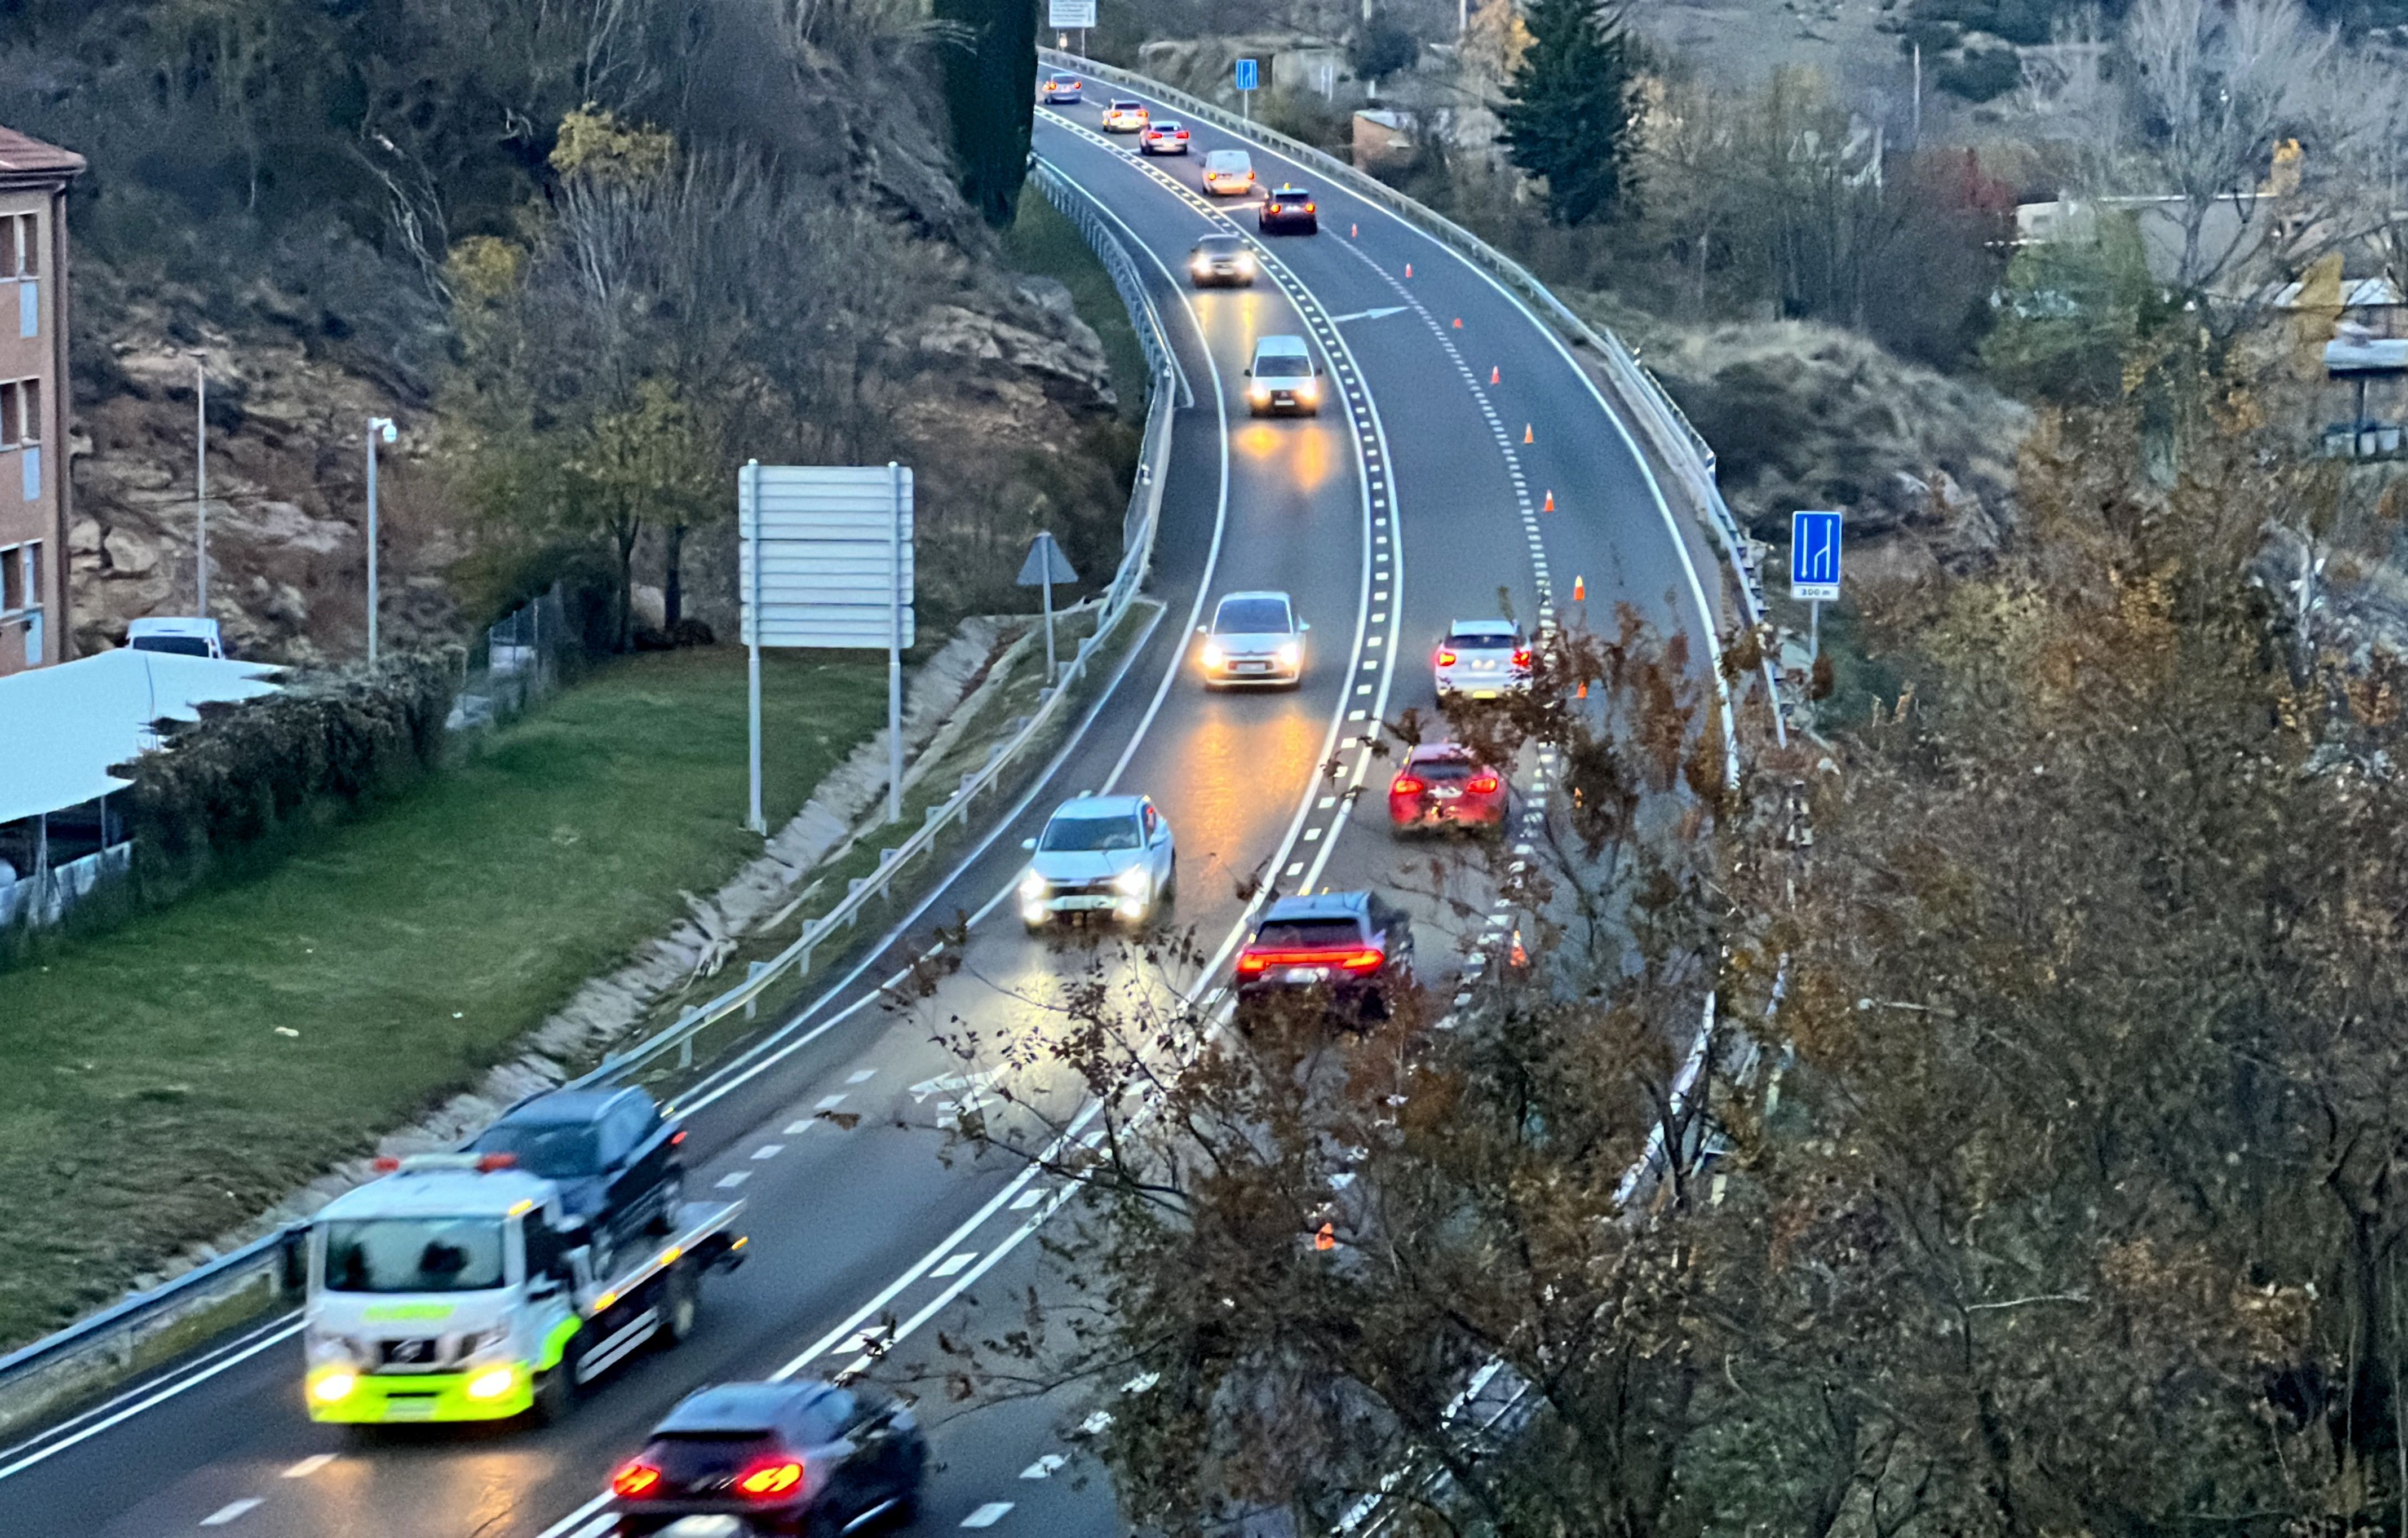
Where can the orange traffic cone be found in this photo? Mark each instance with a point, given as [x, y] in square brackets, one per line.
[1580, 591]
[1354, 230]
[1525, 433]
[1492, 374]
[1520, 957]
[1584, 688]
[1550, 503]
[1409, 269]
[1458, 323]
[1326, 1239]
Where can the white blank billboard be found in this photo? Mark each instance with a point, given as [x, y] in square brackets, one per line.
[823, 538]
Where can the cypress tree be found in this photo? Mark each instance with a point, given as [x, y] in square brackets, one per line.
[1568, 110]
[991, 97]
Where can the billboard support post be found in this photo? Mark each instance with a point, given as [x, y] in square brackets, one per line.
[895, 654]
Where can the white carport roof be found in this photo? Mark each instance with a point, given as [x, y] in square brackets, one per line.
[61, 727]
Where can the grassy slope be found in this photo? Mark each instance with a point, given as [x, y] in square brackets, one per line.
[1041, 241]
[151, 1102]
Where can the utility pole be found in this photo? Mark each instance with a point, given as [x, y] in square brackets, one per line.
[1918, 97]
[377, 425]
[201, 483]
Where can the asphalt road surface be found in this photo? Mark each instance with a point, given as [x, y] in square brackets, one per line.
[1415, 497]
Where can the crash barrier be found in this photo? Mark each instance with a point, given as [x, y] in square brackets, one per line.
[1645, 403]
[151, 1327]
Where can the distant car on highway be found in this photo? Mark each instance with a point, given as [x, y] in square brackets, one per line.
[1353, 947]
[1108, 856]
[1222, 259]
[1443, 784]
[1255, 637]
[191, 638]
[1283, 379]
[1289, 210]
[1164, 139]
[1228, 173]
[1482, 659]
[1126, 117]
[1060, 88]
[802, 1456]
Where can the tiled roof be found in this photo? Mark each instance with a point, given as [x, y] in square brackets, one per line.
[23, 158]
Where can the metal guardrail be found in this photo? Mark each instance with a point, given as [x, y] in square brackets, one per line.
[1677, 442]
[114, 1335]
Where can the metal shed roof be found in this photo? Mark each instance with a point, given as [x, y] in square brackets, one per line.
[61, 728]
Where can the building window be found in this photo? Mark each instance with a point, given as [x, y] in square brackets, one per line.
[17, 577]
[20, 246]
[20, 413]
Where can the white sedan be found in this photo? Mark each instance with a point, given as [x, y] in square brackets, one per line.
[1100, 856]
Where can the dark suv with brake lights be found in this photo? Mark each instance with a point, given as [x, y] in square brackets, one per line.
[806, 1457]
[1355, 948]
[1288, 208]
[612, 1154]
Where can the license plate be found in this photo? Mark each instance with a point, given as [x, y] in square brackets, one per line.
[1306, 974]
[1253, 668]
[410, 1409]
[1445, 793]
[1081, 903]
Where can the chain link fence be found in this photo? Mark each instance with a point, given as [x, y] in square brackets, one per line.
[524, 658]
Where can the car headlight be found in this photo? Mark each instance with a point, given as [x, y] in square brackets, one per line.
[1258, 391]
[1034, 888]
[493, 1383]
[1291, 654]
[1307, 389]
[1213, 656]
[334, 1386]
[1133, 882]
[1245, 262]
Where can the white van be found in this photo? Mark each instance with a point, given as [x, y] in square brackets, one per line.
[192, 638]
[1284, 377]
[1229, 173]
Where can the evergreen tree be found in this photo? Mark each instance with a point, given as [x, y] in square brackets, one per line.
[990, 94]
[1569, 110]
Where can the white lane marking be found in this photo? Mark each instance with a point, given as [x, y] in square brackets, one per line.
[228, 1512]
[1028, 1199]
[829, 1103]
[1095, 1423]
[1043, 1468]
[796, 1128]
[987, 1516]
[277, 1337]
[309, 1465]
[734, 1178]
[768, 1150]
[861, 1075]
[598, 1528]
[958, 1262]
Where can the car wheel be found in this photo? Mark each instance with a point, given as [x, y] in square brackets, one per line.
[1171, 884]
[681, 1303]
[556, 1395]
[672, 1198]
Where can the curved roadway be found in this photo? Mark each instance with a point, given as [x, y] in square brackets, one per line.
[1416, 497]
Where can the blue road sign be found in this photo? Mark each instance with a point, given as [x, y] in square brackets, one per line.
[1247, 75]
[1814, 556]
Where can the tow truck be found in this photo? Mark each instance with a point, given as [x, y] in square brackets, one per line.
[460, 1287]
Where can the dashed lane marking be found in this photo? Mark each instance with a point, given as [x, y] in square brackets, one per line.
[1028, 1199]
[829, 1103]
[1043, 1468]
[861, 1075]
[309, 1465]
[768, 1150]
[987, 1516]
[959, 1261]
[228, 1512]
[734, 1178]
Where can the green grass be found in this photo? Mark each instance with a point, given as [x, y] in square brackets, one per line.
[152, 1100]
[1042, 241]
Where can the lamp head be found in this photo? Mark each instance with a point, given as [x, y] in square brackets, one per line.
[384, 428]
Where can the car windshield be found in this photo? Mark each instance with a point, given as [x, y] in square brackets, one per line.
[1250, 617]
[1484, 644]
[554, 1150]
[1281, 366]
[414, 1254]
[1291, 197]
[1167, 126]
[183, 646]
[1226, 159]
[1449, 769]
[1127, 107]
[1220, 245]
[1080, 834]
[1307, 934]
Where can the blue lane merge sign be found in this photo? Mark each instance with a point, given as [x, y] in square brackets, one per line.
[1247, 76]
[1814, 556]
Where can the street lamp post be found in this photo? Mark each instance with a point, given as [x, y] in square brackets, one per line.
[377, 427]
[201, 483]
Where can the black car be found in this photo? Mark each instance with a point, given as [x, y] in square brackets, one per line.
[803, 1456]
[1354, 949]
[1222, 259]
[1289, 210]
[615, 1156]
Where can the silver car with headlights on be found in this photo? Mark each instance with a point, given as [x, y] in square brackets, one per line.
[1100, 856]
[1255, 637]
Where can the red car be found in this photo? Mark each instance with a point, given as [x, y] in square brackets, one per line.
[1441, 782]
[1164, 139]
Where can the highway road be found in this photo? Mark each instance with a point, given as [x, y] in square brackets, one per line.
[1417, 497]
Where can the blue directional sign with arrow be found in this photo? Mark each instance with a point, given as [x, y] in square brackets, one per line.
[1248, 74]
[1814, 557]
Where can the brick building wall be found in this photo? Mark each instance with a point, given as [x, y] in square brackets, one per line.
[33, 401]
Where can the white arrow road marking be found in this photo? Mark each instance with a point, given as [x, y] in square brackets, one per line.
[1369, 314]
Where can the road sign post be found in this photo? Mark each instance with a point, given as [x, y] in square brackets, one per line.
[1067, 15]
[1249, 76]
[827, 557]
[1046, 564]
[1814, 573]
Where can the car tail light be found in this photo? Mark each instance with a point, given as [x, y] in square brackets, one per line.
[635, 1479]
[488, 1163]
[677, 1138]
[1445, 658]
[1407, 785]
[1308, 208]
[1521, 657]
[1359, 963]
[1483, 785]
[1251, 963]
[767, 1481]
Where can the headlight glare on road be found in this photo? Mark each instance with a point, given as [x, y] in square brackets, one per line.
[492, 1383]
[333, 1388]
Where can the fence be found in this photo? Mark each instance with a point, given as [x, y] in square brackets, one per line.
[1676, 442]
[523, 660]
[520, 660]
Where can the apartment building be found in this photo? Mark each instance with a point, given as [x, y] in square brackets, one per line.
[33, 401]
